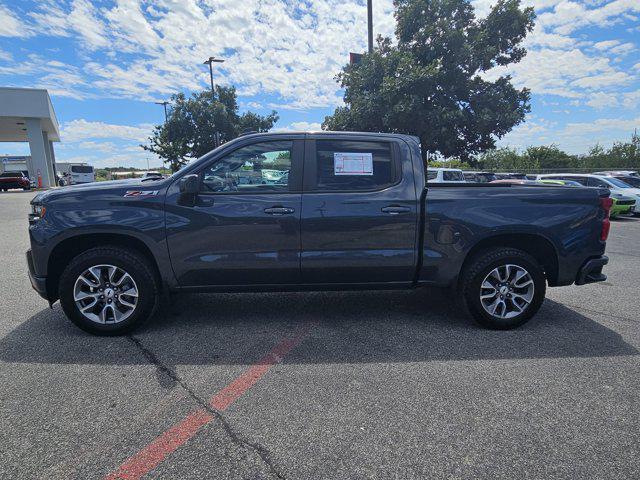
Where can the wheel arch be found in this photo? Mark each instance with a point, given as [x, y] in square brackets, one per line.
[538, 246]
[71, 247]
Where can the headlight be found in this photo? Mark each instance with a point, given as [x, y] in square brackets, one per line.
[37, 212]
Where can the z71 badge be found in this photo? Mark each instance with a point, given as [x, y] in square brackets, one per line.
[141, 193]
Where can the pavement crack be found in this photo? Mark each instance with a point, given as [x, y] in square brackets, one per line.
[235, 437]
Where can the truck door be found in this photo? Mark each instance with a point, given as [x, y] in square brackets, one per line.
[244, 228]
[359, 211]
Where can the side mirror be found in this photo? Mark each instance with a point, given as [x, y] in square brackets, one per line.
[189, 184]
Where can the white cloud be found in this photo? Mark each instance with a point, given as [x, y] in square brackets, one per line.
[600, 100]
[574, 137]
[606, 44]
[5, 56]
[81, 129]
[10, 25]
[568, 16]
[300, 127]
[623, 49]
[566, 73]
[631, 99]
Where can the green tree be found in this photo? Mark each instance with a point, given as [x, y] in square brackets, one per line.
[431, 83]
[550, 157]
[507, 160]
[192, 124]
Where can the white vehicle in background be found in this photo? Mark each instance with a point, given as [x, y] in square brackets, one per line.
[75, 173]
[617, 173]
[445, 175]
[151, 174]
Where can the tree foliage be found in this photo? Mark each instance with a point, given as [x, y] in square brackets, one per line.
[508, 160]
[432, 83]
[621, 156]
[192, 124]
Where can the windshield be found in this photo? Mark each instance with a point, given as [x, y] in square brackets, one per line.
[617, 183]
[633, 181]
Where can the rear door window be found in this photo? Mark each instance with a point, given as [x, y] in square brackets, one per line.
[354, 165]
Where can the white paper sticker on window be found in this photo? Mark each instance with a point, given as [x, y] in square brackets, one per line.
[352, 163]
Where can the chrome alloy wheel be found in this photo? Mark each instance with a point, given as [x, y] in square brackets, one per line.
[507, 291]
[105, 294]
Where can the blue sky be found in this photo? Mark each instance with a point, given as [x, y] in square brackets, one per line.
[106, 62]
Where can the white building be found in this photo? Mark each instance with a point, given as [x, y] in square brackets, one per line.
[26, 115]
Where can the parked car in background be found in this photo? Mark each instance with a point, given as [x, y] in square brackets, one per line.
[445, 175]
[507, 176]
[152, 174]
[10, 180]
[75, 173]
[598, 181]
[515, 181]
[354, 212]
[628, 179]
[478, 177]
[622, 205]
[566, 183]
[615, 173]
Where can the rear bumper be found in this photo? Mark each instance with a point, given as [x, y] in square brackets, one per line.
[39, 284]
[591, 271]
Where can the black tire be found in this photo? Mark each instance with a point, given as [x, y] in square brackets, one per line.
[484, 263]
[136, 265]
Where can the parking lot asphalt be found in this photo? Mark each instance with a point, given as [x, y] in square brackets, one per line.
[322, 385]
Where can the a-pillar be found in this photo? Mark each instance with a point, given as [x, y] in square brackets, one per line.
[40, 153]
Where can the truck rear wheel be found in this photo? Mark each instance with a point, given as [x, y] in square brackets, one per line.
[503, 288]
[108, 290]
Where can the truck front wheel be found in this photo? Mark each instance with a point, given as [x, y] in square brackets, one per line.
[108, 290]
[503, 288]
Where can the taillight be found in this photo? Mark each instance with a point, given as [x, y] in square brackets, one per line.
[605, 204]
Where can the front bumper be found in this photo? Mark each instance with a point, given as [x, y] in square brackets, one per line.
[39, 284]
[591, 271]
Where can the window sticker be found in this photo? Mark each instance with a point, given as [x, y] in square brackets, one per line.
[352, 163]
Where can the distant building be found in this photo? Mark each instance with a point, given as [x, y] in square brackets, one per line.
[15, 163]
[26, 115]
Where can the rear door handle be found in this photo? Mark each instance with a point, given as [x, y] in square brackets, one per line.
[395, 210]
[279, 211]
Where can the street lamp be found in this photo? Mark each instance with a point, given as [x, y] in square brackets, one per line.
[164, 104]
[370, 24]
[210, 62]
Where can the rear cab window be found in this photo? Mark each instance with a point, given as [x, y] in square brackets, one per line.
[354, 165]
[82, 169]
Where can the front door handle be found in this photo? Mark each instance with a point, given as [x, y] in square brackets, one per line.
[279, 211]
[395, 210]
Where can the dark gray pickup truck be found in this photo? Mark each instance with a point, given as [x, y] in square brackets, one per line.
[310, 211]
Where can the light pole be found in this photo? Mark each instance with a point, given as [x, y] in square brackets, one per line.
[370, 24]
[164, 104]
[210, 62]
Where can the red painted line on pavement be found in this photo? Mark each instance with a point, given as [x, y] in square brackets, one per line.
[152, 455]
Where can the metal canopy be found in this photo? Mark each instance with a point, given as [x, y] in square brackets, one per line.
[18, 104]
